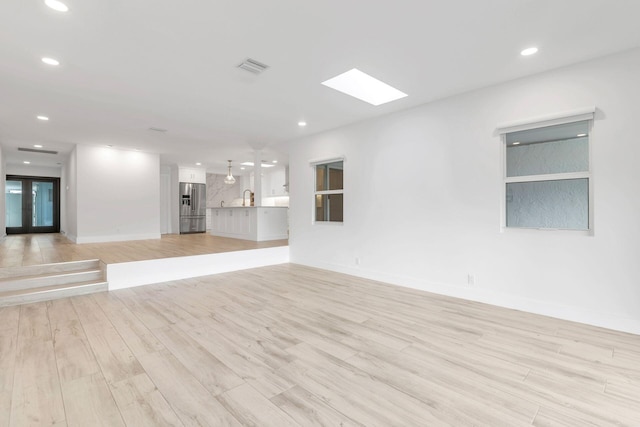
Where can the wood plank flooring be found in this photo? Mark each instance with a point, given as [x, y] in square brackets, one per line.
[32, 249]
[294, 346]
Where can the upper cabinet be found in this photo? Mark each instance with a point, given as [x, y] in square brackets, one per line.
[195, 175]
[273, 183]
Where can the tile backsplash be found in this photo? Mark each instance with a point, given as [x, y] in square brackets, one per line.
[218, 191]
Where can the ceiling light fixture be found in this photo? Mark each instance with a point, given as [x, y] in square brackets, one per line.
[529, 51]
[302, 124]
[50, 61]
[229, 179]
[275, 161]
[198, 164]
[43, 118]
[26, 162]
[516, 143]
[37, 145]
[580, 135]
[57, 5]
[364, 87]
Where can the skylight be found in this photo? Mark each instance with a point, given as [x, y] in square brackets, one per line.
[364, 87]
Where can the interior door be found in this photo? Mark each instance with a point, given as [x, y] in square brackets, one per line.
[32, 205]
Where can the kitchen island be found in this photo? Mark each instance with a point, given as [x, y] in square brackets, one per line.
[257, 223]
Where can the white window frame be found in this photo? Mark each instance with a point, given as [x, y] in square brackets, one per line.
[314, 164]
[583, 114]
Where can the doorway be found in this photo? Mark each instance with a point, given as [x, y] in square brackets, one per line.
[32, 204]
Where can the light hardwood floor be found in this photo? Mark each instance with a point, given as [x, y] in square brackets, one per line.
[30, 249]
[289, 345]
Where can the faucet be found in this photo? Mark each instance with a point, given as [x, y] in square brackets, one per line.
[244, 196]
[222, 203]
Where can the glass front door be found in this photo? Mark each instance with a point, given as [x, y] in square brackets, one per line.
[32, 205]
[13, 203]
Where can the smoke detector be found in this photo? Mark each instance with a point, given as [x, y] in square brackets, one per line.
[253, 66]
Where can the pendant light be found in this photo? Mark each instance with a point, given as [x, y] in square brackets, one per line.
[229, 179]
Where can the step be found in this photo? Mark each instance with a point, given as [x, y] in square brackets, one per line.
[47, 293]
[55, 268]
[45, 280]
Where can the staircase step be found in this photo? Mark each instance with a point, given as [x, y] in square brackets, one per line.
[45, 280]
[46, 293]
[55, 268]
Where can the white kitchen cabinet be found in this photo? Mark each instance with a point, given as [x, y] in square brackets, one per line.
[250, 223]
[218, 219]
[195, 175]
[209, 219]
[273, 183]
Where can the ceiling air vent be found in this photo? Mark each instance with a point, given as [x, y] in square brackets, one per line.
[35, 150]
[253, 66]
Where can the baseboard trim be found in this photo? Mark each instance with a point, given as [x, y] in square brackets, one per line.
[545, 308]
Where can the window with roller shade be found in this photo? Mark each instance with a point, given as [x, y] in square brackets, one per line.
[547, 177]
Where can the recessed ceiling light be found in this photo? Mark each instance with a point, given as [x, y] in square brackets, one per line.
[264, 165]
[50, 61]
[198, 164]
[364, 87]
[26, 162]
[242, 168]
[43, 118]
[580, 135]
[37, 145]
[57, 5]
[516, 143]
[275, 161]
[529, 51]
[302, 124]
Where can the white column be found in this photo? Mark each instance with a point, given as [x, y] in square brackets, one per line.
[257, 178]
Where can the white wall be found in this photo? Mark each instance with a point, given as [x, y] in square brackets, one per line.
[422, 200]
[70, 190]
[118, 194]
[165, 200]
[175, 200]
[3, 173]
[28, 170]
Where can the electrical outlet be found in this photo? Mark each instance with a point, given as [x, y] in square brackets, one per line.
[471, 279]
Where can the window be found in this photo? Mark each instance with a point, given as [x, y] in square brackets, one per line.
[329, 192]
[547, 178]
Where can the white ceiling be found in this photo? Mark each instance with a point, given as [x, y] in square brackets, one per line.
[127, 65]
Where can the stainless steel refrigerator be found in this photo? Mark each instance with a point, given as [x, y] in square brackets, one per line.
[193, 208]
